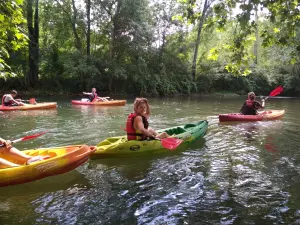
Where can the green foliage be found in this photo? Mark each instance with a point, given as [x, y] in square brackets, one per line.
[12, 37]
[146, 47]
[284, 15]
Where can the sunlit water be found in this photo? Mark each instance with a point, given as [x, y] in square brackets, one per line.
[240, 173]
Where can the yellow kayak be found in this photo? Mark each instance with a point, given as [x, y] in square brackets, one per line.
[44, 105]
[60, 160]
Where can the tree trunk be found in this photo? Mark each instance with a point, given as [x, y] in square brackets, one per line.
[255, 50]
[194, 64]
[33, 31]
[162, 48]
[72, 19]
[114, 30]
[88, 33]
[73, 22]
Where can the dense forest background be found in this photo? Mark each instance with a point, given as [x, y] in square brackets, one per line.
[150, 47]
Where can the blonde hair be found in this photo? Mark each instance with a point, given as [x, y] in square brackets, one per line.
[139, 101]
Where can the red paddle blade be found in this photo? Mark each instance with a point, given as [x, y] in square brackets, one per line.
[26, 138]
[32, 101]
[171, 143]
[276, 91]
[31, 136]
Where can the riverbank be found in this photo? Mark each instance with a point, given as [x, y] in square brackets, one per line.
[46, 93]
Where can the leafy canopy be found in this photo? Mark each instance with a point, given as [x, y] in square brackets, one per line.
[12, 36]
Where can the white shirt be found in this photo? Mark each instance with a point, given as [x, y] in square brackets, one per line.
[8, 98]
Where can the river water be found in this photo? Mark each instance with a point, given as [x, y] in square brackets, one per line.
[239, 173]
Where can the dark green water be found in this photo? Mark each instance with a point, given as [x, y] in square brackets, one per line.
[240, 173]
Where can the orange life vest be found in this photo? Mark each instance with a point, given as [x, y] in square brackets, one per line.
[132, 134]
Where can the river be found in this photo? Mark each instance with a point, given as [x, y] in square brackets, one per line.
[239, 173]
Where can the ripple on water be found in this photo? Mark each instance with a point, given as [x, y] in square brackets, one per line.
[241, 173]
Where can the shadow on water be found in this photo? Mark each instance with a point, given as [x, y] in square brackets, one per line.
[26, 194]
[136, 167]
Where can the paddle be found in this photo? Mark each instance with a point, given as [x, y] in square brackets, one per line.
[31, 101]
[26, 138]
[170, 143]
[104, 99]
[275, 92]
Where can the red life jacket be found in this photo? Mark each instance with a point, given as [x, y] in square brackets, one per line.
[9, 103]
[132, 134]
[249, 103]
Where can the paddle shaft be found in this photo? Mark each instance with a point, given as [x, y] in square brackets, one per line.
[25, 138]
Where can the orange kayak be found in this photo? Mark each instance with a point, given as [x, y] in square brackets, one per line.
[44, 105]
[62, 160]
[108, 103]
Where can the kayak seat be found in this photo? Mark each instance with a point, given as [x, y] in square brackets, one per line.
[189, 125]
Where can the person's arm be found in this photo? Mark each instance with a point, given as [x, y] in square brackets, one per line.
[86, 93]
[6, 143]
[2, 141]
[10, 98]
[258, 106]
[138, 124]
[17, 102]
[262, 103]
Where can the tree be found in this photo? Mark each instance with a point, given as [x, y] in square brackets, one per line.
[284, 15]
[72, 14]
[12, 37]
[206, 6]
[88, 32]
[33, 32]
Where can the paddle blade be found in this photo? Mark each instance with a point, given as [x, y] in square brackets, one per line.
[32, 101]
[171, 143]
[31, 136]
[276, 91]
[26, 138]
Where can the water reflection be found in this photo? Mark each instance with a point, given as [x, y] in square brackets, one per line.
[106, 110]
[132, 169]
[28, 194]
[29, 113]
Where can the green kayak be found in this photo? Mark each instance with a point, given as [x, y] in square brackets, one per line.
[121, 147]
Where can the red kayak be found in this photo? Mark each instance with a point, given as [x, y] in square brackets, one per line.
[264, 115]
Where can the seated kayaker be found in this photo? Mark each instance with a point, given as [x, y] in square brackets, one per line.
[251, 106]
[8, 99]
[137, 125]
[93, 97]
[15, 155]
